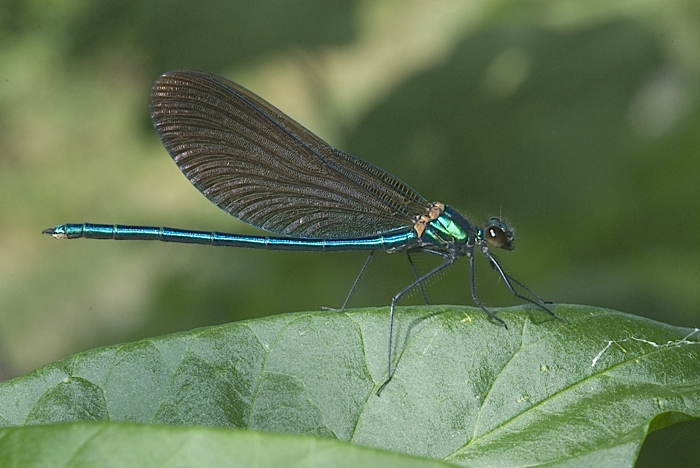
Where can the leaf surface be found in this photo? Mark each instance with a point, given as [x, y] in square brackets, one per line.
[466, 390]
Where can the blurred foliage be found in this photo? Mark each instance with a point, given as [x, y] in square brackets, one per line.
[577, 120]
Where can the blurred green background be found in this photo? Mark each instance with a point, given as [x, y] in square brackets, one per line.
[579, 121]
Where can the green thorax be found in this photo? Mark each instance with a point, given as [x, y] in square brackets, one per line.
[446, 226]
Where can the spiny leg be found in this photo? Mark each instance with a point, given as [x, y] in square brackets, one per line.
[449, 261]
[354, 285]
[530, 291]
[476, 300]
[415, 275]
[508, 279]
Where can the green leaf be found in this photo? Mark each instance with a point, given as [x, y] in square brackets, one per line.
[465, 390]
[128, 444]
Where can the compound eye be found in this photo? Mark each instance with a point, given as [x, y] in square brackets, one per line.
[498, 235]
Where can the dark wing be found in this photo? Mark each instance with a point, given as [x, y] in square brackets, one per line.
[262, 167]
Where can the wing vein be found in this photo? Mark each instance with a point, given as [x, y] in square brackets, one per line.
[262, 167]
